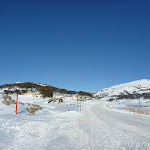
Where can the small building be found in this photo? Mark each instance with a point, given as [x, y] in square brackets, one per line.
[70, 97]
[58, 95]
[32, 89]
[85, 97]
[36, 93]
[67, 96]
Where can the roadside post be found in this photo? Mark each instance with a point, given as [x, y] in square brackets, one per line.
[16, 103]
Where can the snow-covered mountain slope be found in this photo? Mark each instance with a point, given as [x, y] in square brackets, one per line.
[131, 90]
[32, 83]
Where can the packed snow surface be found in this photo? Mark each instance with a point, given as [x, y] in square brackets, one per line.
[59, 126]
[135, 87]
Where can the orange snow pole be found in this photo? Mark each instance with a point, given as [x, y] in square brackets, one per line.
[139, 106]
[16, 103]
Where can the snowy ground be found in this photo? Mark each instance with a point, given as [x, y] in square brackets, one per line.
[95, 127]
[118, 105]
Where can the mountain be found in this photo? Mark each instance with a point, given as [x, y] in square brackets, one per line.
[131, 90]
[22, 87]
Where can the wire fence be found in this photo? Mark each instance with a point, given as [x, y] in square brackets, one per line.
[137, 110]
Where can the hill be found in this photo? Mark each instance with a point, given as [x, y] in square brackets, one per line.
[46, 90]
[131, 90]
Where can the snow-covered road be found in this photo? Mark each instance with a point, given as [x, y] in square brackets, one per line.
[95, 128]
[108, 129]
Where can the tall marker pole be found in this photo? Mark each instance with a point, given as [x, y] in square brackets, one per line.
[16, 103]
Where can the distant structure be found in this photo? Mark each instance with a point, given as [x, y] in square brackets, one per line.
[32, 89]
[33, 93]
[58, 96]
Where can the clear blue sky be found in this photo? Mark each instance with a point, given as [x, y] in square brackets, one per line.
[76, 44]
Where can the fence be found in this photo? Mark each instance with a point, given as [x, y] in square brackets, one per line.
[137, 110]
